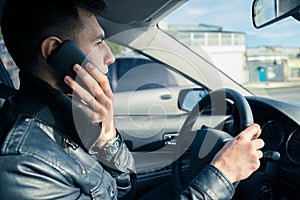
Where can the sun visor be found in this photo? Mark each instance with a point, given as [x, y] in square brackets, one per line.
[139, 11]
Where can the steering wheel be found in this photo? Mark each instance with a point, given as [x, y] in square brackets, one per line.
[203, 144]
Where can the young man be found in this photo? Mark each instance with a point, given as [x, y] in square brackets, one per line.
[46, 128]
[46, 151]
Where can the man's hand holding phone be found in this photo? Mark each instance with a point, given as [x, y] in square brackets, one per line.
[97, 102]
[90, 86]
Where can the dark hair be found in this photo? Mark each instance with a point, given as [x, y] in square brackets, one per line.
[26, 23]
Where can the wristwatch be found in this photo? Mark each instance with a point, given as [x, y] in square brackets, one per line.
[112, 147]
[109, 150]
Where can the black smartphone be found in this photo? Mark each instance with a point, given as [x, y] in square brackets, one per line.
[65, 56]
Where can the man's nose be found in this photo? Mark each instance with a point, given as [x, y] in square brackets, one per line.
[109, 57]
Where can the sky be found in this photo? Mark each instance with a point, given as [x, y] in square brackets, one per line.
[235, 15]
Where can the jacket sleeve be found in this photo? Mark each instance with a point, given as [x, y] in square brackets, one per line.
[119, 162]
[210, 183]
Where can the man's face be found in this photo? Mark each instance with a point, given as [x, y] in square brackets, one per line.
[90, 41]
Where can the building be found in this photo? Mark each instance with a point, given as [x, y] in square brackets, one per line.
[226, 49]
[273, 64]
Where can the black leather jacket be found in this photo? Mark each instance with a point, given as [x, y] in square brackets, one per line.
[41, 145]
[58, 167]
[43, 155]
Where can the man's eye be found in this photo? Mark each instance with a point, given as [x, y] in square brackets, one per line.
[99, 43]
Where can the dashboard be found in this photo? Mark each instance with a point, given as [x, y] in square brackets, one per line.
[278, 175]
[280, 128]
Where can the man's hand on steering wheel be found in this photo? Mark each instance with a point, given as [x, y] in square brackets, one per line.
[236, 156]
[239, 157]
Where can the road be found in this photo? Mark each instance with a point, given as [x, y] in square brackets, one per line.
[291, 94]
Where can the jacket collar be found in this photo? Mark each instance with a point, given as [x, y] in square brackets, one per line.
[40, 100]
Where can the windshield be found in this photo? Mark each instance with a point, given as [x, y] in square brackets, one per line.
[264, 61]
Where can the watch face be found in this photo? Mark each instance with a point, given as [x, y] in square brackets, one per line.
[110, 149]
[113, 146]
[117, 141]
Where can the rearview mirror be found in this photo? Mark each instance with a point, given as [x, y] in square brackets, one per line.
[265, 12]
[188, 98]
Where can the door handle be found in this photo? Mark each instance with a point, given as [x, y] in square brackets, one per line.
[165, 96]
[170, 138]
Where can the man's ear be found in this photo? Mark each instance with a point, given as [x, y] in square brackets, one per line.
[49, 44]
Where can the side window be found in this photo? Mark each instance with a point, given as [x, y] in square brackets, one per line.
[8, 74]
[9, 65]
[144, 90]
[126, 64]
[135, 73]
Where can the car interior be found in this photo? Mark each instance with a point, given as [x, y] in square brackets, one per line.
[221, 110]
